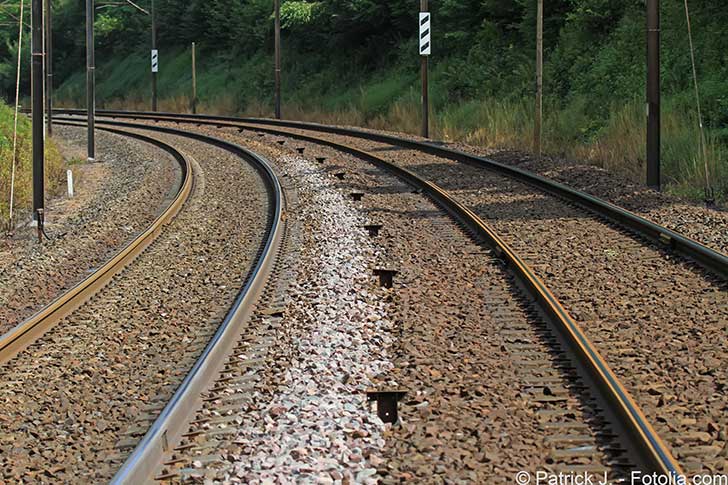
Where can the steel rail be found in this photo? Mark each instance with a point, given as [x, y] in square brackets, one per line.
[712, 260]
[167, 429]
[652, 451]
[31, 329]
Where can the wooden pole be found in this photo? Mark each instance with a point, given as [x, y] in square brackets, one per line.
[424, 7]
[194, 80]
[49, 65]
[278, 59]
[538, 118]
[653, 94]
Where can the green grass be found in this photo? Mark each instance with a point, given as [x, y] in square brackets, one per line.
[23, 167]
[608, 136]
[615, 142]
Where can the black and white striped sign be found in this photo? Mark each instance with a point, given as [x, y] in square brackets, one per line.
[155, 60]
[425, 46]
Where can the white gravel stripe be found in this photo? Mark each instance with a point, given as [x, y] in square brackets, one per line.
[318, 427]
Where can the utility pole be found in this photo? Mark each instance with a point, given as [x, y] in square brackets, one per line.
[538, 119]
[38, 118]
[90, 79]
[653, 94]
[194, 80]
[155, 56]
[425, 47]
[278, 58]
[49, 65]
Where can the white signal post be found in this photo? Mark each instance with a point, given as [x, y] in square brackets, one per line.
[155, 70]
[425, 50]
[69, 182]
[155, 56]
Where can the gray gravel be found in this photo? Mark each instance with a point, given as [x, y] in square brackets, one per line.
[76, 402]
[115, 201]
[659, 321]
[693, 219]
[472, 412]
[318, 420]
[307, 419]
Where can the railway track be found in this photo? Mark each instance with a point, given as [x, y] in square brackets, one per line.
[574, 402]
[628, 323]
[589, 375]
[575, 429]
[24, 334]
[713, 260]
[118, 200]
[88, 378]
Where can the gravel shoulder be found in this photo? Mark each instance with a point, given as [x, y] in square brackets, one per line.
[76, 402]
[657, 319]
[115, 201]
[471, 413]
[692, 219]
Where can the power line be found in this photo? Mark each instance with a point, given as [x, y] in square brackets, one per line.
[15, 126]
[709, 195]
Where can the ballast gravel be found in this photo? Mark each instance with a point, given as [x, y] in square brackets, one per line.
[692, 219]
[75, 403]
[309, 421]
[115, 200]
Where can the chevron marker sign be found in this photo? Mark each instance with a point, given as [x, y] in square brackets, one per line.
[155, 60]
[425, 46]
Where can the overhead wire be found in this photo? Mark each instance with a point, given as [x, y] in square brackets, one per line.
[709, 194]
[15, 122]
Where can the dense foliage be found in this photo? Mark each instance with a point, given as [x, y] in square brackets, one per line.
[337, 50]
[593, 47]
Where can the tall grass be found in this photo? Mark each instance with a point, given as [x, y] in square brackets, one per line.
[607, 136]
[620, 147]
[23, 167]
[616, 143]
[491, 123]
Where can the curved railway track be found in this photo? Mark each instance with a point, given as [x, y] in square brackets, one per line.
[688, 410]
[618, 407]
[590, 415]
[167, 429]
[123, 310]
[714, 261]
[34, 327]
